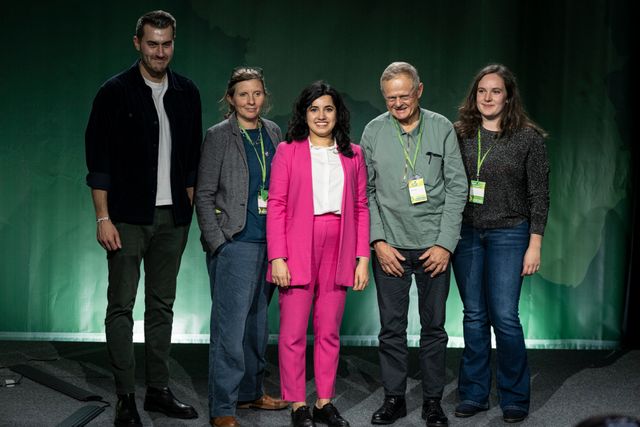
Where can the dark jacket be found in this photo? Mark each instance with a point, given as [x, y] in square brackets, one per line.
[223, 182]
[122, 145]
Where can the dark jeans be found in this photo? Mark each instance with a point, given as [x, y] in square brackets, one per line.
[393, 303]
[487, 265]
[160, 245]
[240, 298]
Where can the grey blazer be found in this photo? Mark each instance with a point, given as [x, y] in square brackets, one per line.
[222, 189]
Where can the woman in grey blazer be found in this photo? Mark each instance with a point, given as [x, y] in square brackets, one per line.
[231, 195]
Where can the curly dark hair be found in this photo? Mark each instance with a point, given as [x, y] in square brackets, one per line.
[514, 117]
[298, 128]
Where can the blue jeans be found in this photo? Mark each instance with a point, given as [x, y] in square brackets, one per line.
[487, 264]
[239, 329]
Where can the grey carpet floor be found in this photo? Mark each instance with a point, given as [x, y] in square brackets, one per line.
[567, 386]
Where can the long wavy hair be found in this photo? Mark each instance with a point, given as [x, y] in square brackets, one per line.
[514, 116]
[298, 128]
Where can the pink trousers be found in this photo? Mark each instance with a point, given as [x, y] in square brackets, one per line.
[328, 305]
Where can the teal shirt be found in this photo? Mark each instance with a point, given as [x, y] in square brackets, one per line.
[393, 217]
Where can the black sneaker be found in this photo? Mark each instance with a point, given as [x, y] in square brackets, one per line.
[301, 417]
[433, 413]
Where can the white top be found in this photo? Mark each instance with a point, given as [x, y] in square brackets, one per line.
[328, 179]
[163, 190]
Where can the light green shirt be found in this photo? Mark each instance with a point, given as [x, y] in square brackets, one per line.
[393, 217]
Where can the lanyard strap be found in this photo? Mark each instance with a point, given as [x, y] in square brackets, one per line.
[412, 163]
[263, 160]
[480, 159]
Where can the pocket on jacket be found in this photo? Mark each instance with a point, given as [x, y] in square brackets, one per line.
[434, 169]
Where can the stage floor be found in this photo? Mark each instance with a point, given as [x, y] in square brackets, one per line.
[567, 385]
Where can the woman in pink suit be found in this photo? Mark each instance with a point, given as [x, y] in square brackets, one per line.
[317, 243]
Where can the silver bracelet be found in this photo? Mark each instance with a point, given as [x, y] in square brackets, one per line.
[102, 218]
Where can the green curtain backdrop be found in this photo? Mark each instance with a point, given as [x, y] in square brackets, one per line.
[571, 59]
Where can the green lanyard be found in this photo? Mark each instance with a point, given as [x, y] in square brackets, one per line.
[480, 159]
[263, 160]
[412, 163]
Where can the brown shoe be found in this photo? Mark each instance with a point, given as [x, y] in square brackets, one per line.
[266, 403]
[228, 421]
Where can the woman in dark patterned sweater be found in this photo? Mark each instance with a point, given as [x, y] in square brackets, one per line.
[503, 224]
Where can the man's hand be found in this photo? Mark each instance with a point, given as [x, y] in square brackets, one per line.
[280, 272]
[361, 278]
[389, 258]
[436, 260]
[108, 236]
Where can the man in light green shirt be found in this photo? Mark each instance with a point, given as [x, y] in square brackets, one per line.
[417, 190]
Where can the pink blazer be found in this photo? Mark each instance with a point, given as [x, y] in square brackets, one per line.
[290, 213]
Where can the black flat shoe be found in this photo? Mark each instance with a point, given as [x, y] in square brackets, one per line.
[464, 410]
[433, 413]
[329, 415]
[301, 417]
[513, 415]
[126, 411]
[394, 407]
[162, 400]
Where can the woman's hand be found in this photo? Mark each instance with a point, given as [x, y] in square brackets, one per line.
[361, 279]
[280, 272]
[531, 261]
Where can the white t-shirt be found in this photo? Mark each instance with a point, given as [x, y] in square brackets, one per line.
[163, 193]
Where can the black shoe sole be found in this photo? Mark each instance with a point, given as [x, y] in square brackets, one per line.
[446, 423]
[468, 414]
[321, 421]
[402, 414]
[514, 420]
[317, 418]
[180, 415]
[464, 414]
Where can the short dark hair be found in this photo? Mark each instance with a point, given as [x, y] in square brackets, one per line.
[514, 116]
[242, 74]
[298, 128]
[156, 19]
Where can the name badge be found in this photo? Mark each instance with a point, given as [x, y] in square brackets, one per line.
[476, 192]
[263, 195]
[417, 191]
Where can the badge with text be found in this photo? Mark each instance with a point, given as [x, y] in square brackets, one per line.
[263, 195]
[417, 191]
[476, 191]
